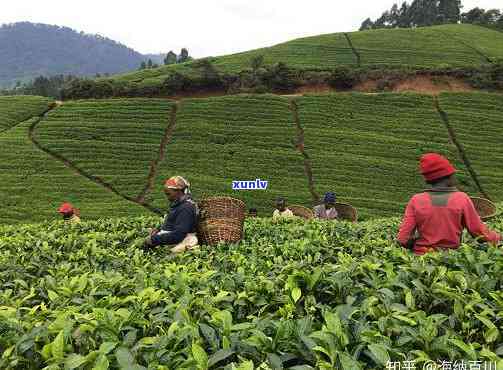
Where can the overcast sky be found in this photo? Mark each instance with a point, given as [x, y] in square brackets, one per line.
[205, 27]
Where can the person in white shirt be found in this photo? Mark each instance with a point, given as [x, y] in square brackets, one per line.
[281, 209]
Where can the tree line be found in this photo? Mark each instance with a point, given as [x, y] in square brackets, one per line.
[420, 13]
[170, 58]
[44, 86]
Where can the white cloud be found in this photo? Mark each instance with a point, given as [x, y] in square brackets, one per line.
[206, 27]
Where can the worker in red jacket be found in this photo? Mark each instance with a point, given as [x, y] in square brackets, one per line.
[436, 218]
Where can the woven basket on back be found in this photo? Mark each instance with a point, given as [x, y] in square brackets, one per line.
[485, 208]
[220, 220]
[301, 211]
[346, 212]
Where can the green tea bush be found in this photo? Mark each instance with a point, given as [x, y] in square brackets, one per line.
[290, 295]
[16, 109]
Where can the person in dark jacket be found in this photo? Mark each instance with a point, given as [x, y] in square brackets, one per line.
[179, 227]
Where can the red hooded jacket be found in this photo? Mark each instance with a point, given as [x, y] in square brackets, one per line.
[435, 219]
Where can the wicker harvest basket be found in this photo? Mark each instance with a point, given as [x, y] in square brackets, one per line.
[301, 211]
[346, 212]
[485, 208]
[220, 220]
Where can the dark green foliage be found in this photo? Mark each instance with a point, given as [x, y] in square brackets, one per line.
[257, 62]
[490, 78]
[490, 18]
[171, 58]
[184, 56]
[43, 86]
[418, 13]
[319, 295]
[343, 78]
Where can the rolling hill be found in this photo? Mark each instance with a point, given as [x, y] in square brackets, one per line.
[455, 46]
[28, 50]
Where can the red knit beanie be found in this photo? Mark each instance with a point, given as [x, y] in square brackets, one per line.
[434, 166]
[66, 208]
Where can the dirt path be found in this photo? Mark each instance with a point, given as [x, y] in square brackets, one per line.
[300, 146]
[75, 168]
[355, 52]
[49, 108]
[168, 133]
[459, 146]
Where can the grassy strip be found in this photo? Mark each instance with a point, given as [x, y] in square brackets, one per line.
[355, 52]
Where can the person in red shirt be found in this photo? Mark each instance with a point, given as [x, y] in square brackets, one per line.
[435, 219]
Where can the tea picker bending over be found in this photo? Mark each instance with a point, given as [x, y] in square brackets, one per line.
[435, 219]
[179, 227]
[327, 210]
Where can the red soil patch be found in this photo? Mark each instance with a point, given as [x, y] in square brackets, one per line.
[366, 86]
[431, 85]
[314, 89]
[423, 84]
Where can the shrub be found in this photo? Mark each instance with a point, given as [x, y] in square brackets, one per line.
[343, 78]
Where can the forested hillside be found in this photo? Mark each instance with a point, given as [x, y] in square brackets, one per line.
[29, 50]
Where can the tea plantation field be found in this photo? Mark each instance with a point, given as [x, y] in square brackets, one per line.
[425, 47]
[421, 47]
[33, 184]
[115, 140]
[237, 138]
[16, 109]
[478, 122]
[365, 147]
[291, 295]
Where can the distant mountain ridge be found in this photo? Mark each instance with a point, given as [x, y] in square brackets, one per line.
[28, 50]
